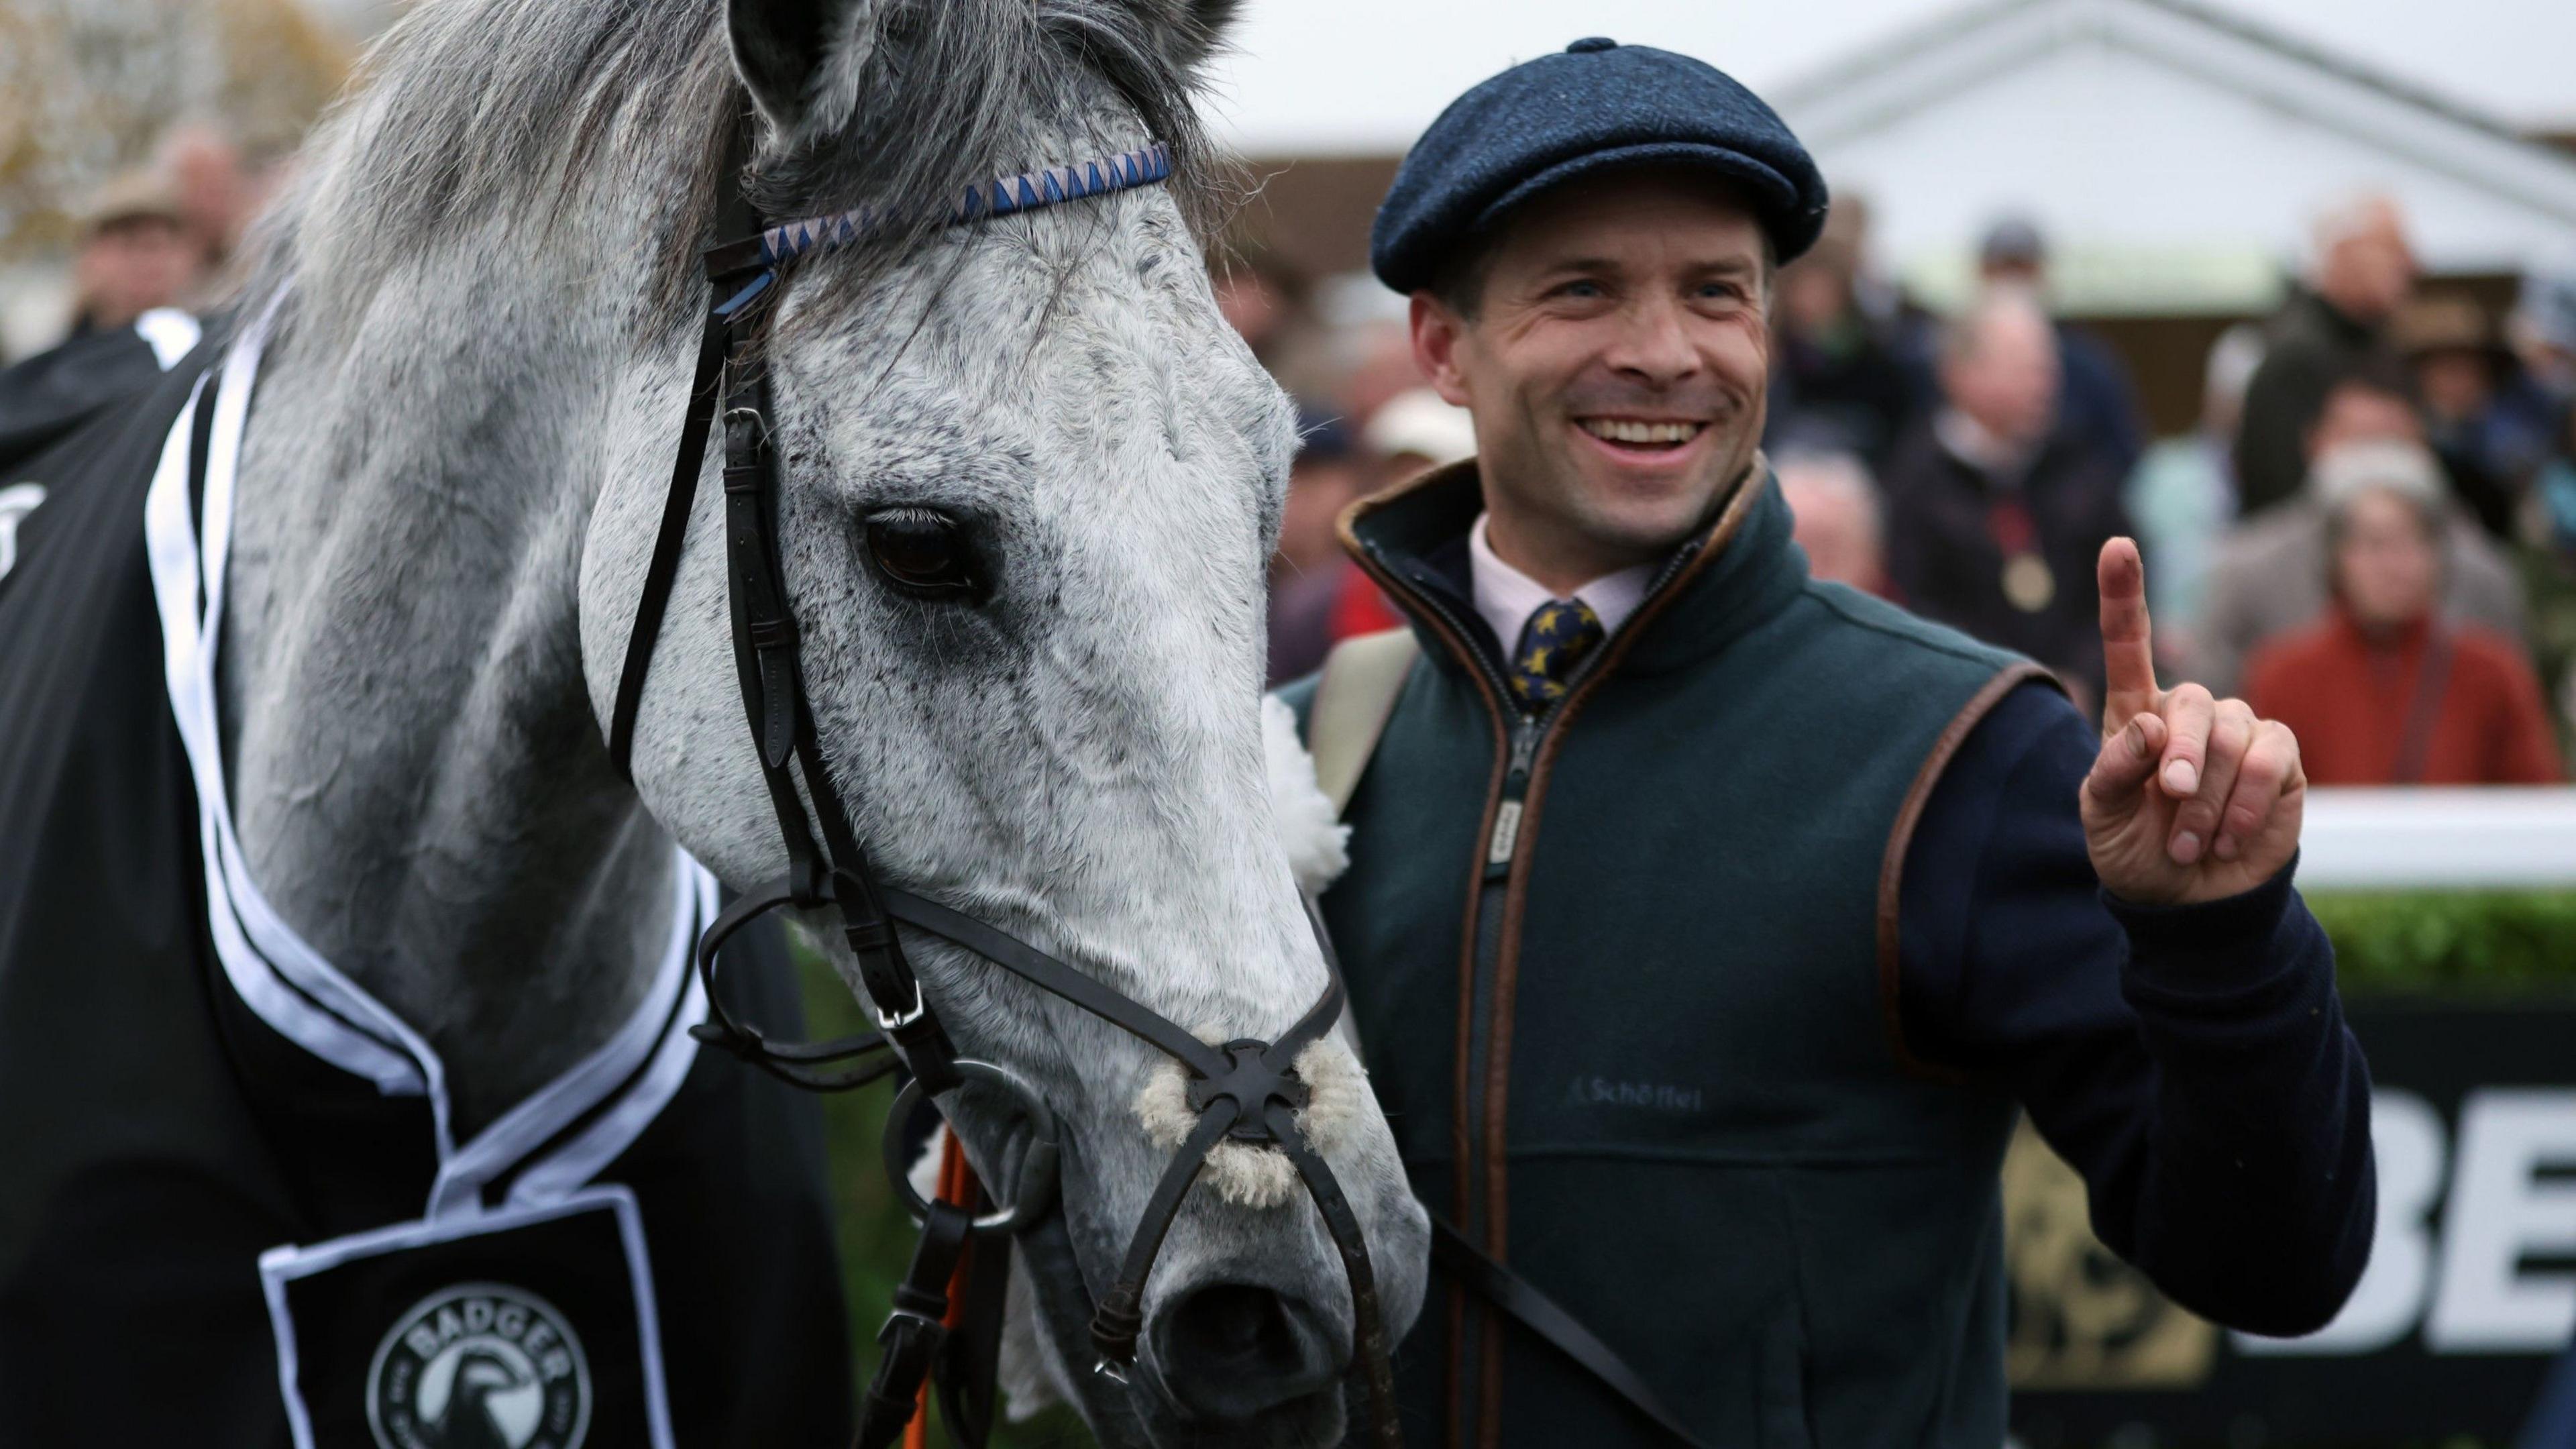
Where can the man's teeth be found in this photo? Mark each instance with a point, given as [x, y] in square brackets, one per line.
[1621, 430]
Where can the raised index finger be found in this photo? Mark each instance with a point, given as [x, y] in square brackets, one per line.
[2128, 647]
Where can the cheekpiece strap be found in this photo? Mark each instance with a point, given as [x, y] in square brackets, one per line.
[733, 217]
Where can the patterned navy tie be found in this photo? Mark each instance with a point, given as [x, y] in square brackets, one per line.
[1559, 634]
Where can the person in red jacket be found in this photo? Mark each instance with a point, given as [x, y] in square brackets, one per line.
[2379, 690]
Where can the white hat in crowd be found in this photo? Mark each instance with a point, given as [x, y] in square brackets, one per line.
[1419, 421]
[2408, 470]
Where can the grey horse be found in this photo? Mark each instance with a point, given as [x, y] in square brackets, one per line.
[451, 480]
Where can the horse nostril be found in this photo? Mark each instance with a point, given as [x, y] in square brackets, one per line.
[1240, 1324]
[1231, 1351]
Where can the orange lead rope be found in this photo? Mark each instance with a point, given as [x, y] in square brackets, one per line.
[957, 1185]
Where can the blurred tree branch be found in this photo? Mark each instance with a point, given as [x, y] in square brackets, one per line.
[87, 87]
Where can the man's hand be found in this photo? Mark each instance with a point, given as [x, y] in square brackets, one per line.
[2192, 798]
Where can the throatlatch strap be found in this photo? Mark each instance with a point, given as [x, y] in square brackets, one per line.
[655, 601]
[1560, 1330]
[734, 217]
[814, 1066]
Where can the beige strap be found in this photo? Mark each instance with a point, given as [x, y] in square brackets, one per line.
[1362, 677]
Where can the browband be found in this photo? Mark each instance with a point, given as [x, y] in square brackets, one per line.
[1027, 191]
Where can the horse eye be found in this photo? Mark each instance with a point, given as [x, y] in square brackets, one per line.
[922, 553]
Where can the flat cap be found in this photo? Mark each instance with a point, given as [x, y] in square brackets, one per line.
[1595, 105]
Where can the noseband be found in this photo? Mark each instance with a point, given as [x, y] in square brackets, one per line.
[1246, 1091]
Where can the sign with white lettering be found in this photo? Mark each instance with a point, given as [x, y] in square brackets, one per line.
[2469, 1298]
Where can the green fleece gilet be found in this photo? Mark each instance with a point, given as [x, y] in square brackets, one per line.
[1644, 1049]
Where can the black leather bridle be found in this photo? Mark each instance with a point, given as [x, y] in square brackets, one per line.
[1244, 1091]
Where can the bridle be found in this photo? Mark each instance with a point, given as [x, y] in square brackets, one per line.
[1244, 1091]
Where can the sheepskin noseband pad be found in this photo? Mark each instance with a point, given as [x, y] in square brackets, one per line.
[1252, 1081]
[1330, 1087]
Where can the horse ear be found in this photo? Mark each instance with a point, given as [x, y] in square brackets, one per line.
[1193, 29]
[801, 59]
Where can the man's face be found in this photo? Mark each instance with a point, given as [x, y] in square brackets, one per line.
[2370, 271]
[1838, 532]
[2355, 413]
[2457, 383]
[1816, 292]
[2007, 379]
[2013, 271]
[2385, 564]
[214, 188]
[130, 266]
[1615, 364]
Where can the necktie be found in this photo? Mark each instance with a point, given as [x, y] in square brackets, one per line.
[1555, 641]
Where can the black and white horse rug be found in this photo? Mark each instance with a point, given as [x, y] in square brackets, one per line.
[232, 1211]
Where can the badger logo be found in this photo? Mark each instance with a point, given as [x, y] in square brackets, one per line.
[479, 1366]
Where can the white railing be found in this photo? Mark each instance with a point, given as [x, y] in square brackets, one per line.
[2456, 838]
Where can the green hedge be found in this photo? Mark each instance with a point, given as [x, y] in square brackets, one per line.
[2450, 942]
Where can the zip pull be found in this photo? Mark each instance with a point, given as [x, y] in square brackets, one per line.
[1507, 833]
[1524, 752]
[1507, 816]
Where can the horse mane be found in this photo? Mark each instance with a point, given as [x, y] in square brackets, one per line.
[470, 108]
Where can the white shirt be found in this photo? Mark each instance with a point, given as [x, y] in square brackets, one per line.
[1972, 443]
[1506, 597]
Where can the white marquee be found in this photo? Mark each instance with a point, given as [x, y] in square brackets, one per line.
[2175, 155]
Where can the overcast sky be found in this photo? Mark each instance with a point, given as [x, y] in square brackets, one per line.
[1343, 76]
[1365, 76]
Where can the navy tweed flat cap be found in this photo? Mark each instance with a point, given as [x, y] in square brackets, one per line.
[1596, 104]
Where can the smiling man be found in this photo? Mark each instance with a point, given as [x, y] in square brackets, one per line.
[1708, 926]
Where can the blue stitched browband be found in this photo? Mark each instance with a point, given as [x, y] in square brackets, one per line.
[1028, 191]
[1025, 192]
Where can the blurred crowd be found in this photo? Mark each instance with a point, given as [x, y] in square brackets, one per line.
[164, 234]
[2370, 533]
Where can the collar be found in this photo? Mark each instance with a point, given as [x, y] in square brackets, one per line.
[1506, 597]
[1412, 541]
[1973, 443]
[2353, 330]
[2403, 639]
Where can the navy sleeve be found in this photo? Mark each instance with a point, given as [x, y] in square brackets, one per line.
[2191, 1062]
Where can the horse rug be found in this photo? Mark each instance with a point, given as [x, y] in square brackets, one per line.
[232, 1210]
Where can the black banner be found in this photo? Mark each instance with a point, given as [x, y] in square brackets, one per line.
[2468, 1303]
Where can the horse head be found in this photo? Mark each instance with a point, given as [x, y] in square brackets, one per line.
[1028, 480]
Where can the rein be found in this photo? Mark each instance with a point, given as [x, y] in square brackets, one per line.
[1244, 1091]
